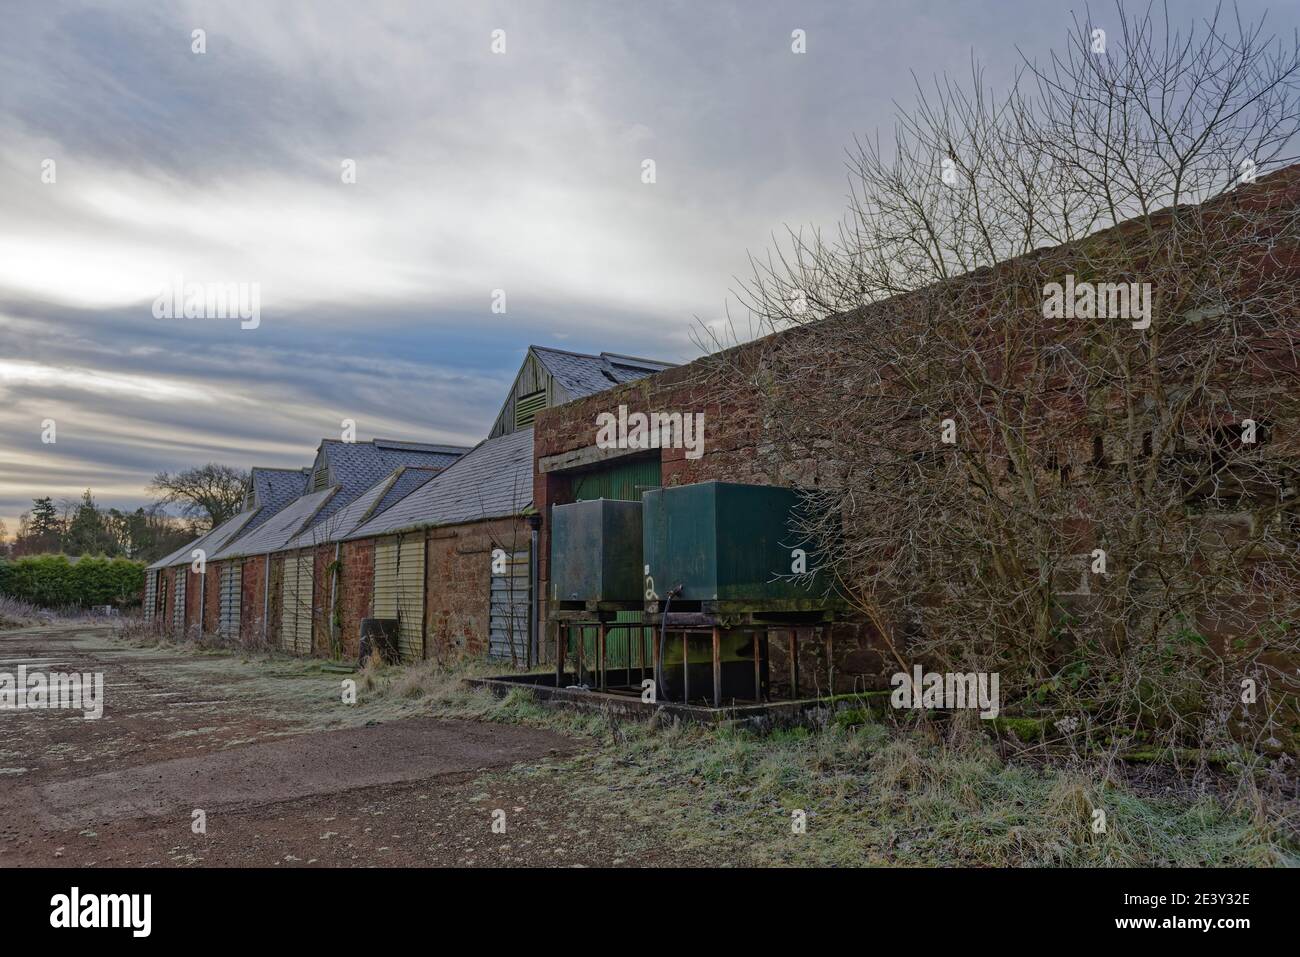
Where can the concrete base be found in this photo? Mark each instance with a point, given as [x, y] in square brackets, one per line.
[629, 704]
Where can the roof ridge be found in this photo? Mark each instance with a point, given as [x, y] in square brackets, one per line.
[623, 355]
[601, 355]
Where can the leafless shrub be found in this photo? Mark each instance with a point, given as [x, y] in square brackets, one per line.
[21, 614]
[1107, 530]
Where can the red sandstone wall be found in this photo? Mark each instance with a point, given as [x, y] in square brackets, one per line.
[167, 582]
[322, 606]
[458, 572]
[193, 595]
[212, 598]
[356, 592]
[275, 613]
[252, 595]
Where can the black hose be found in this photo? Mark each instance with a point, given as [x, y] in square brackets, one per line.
[663, 630]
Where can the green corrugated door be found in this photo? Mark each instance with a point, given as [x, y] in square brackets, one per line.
[622, 482]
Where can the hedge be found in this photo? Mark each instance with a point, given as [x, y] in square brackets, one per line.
[55, 581]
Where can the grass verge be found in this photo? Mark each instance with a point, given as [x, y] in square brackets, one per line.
[876, 793]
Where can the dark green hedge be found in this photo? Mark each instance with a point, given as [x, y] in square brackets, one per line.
[54, 581]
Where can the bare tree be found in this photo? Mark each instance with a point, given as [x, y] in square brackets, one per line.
[211, 493]
[1043, 381]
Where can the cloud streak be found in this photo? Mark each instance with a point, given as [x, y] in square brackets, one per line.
[475, 172]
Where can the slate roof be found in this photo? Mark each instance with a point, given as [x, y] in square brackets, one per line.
[371, 503]
[210, 542]
[494, 480]
[272, 535]
[273, 489]
[407, 482]
[580, 375]
[356, 467]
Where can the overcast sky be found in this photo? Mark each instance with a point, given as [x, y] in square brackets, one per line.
[475, 171]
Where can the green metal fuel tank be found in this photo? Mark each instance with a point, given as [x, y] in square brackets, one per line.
[596, 551]
[723, 541]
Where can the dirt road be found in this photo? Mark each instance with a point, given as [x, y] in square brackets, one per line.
[279, 770]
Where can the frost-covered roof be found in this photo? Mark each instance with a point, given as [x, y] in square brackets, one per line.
[494, 480]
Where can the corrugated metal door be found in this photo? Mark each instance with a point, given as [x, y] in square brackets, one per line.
[178, 605]
[399, 590]
[386, 578]
[289, 603]
[410, 587]
[296, 608]
[622, 482]
[508, 610]
[230, 599]
[306, 595]
[150, 594]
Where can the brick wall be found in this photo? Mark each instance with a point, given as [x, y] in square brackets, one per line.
[212, 598]
[194, 594]
[458, 576]
[167, 582]
[356, 592]
[252, 588]
[322, 607]
[275, 605]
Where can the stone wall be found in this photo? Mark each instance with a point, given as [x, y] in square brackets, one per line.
[458, 570]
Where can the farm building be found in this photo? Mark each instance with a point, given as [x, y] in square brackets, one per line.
[279, 572]
[174, 591]
[452, 562]
[551, 377]
[428, 561]
[435, 538]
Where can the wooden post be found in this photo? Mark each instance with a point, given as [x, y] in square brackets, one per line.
[794, 664]
[717, 667]
[758, 667]
[582, 654]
